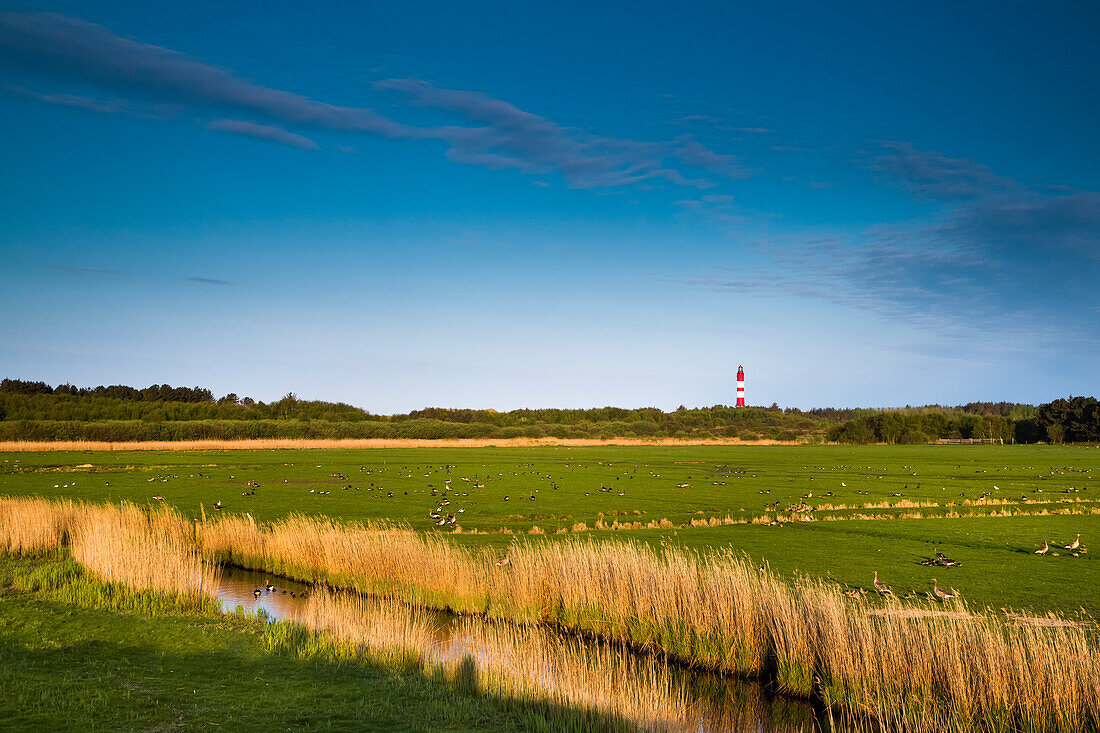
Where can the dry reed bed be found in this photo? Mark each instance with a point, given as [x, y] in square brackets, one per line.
[717, 611]
[32, 525]
[533, 663]
[931, 672]
[144, 550]
[519, 662]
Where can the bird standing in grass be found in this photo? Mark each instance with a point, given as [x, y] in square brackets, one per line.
[882, 587]
[1075, 544]
[939, 593]
[1044, 549]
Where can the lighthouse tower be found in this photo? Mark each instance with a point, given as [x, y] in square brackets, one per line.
[740, 386]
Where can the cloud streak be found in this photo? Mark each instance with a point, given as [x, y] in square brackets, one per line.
[696, 154]
[262, 132]
[718, 207]
[90, 271]
[501, 136]
[69, 49]
[933, 175]
[90, 104]
[998, 258]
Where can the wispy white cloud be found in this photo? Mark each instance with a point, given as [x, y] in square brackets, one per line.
[716, 207]
[997, 258]
[503, 136]
[696, 154]
[91, 104]
[90, 271]
[932, 174]
[262, 132]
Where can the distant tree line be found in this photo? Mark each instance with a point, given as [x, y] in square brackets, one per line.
[37, 411]
[1073, 420]
[153, 393]
[898, 427]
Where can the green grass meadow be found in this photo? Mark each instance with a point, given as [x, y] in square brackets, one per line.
[70, 665]
[553, 488]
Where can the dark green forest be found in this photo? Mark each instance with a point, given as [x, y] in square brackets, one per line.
[37, 411]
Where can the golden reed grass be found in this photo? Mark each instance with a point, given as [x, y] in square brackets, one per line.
[927, 671]
[145, 550]
[354, 443]
[30, 525]
[519, 662]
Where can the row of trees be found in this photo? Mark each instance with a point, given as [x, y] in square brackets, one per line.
[425, 429]
[31, 402]
[893, 427]
[152, 393]
[1073, 420]
[35, 410]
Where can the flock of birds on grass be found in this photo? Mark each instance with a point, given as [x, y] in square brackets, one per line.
[1074, 547]
[440, 516]
[882, 589]
[443, 515]
[942, 560]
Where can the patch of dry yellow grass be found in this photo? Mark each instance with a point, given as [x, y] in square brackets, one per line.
[528, 662]
[146, 550]
[32, 525]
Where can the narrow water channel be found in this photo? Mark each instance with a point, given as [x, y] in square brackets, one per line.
[249, 589]
[699, 702]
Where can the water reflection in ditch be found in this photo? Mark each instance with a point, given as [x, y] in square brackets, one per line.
[249, 589]
[526, 660]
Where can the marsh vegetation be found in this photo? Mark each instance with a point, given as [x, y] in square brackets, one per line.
[922, 671]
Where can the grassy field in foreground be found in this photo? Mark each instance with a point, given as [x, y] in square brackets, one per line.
[575, 486]
[68, 667]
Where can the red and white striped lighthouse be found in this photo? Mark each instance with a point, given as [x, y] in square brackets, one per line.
[740, 386]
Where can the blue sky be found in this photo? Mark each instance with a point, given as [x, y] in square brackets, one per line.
[412, 204]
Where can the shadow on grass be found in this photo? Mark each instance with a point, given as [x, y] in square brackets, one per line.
[68, 668]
